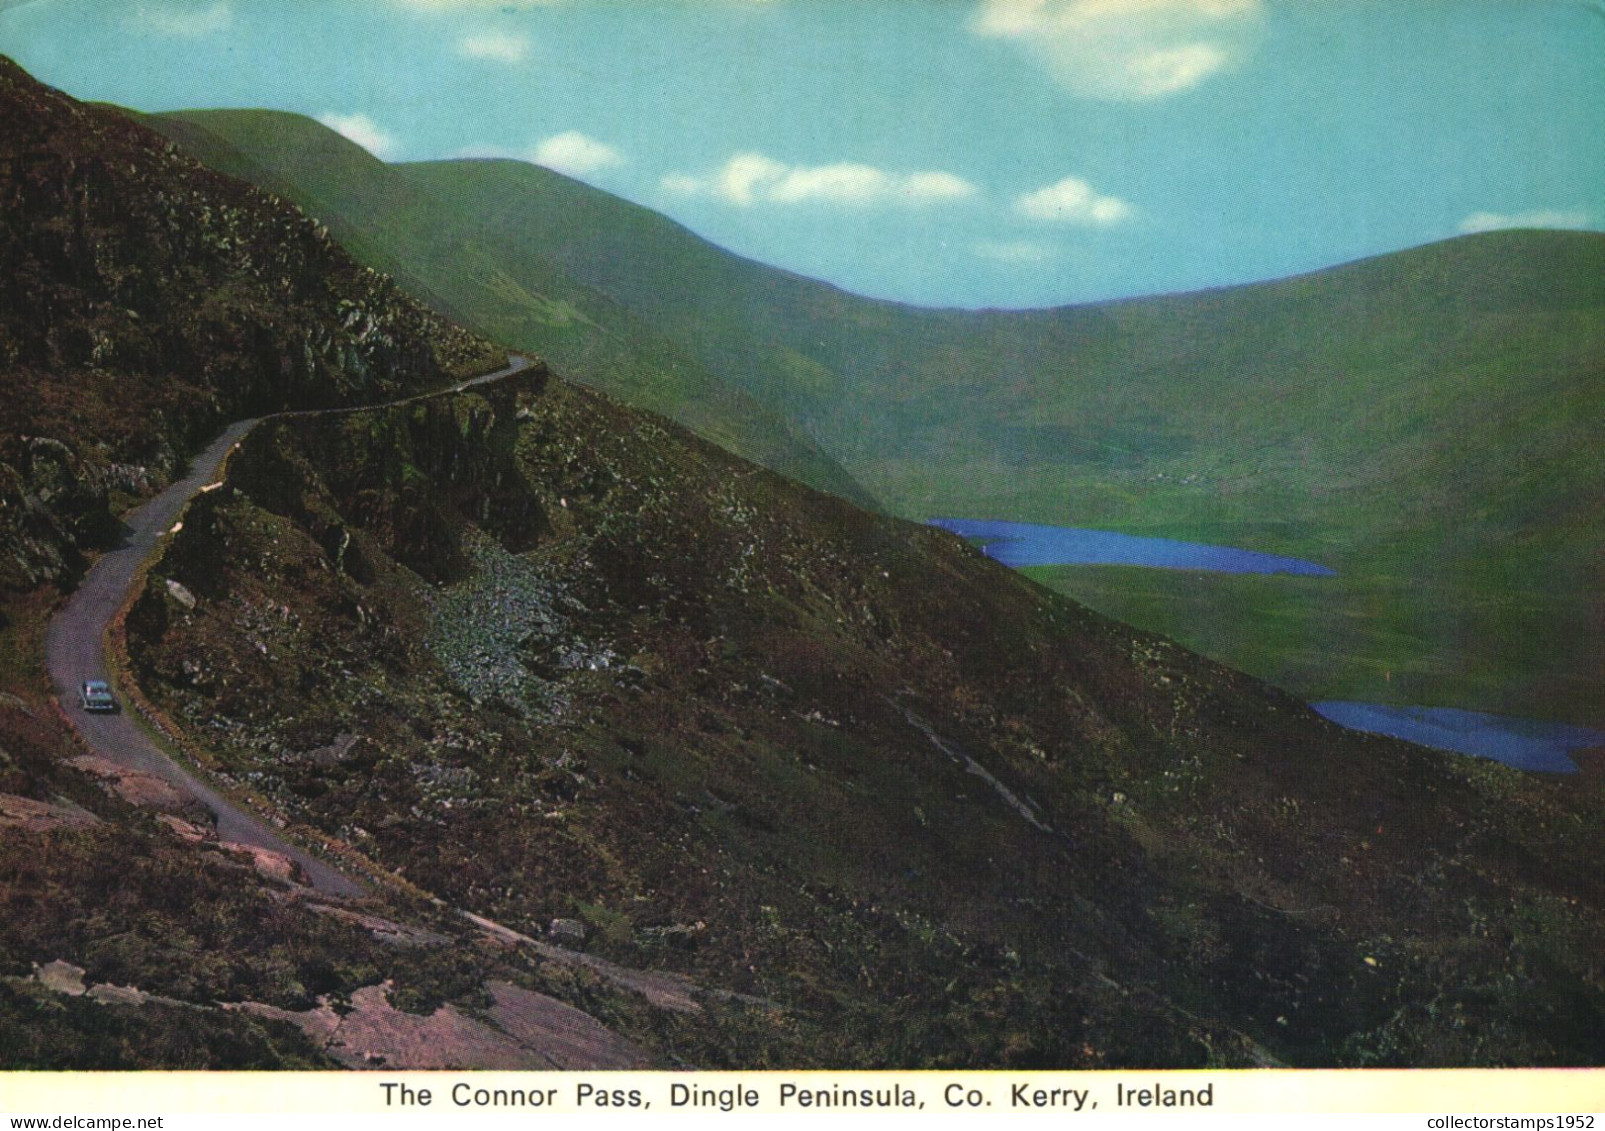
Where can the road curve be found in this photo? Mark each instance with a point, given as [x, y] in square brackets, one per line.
[75, 647]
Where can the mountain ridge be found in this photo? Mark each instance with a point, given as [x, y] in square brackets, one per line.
[520, 299]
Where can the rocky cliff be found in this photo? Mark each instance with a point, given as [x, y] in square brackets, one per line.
[144, 301]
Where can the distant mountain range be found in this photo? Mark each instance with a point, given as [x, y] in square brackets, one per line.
[1424, 422]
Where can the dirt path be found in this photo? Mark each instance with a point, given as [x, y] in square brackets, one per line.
[75, 647]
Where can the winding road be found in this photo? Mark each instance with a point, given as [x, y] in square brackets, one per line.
[75, 646]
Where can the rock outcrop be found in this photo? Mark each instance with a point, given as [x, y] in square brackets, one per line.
[144, 301]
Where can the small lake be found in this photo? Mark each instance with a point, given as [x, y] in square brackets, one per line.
[1020, 544]
[1526, 744]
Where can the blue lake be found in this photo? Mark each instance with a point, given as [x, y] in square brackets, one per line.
[1527, 744]
[1029, 544]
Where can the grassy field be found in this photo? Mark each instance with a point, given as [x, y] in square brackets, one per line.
[1373, 638]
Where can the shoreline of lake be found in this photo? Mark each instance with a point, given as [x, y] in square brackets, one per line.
[1535, 745]
[1020, 544]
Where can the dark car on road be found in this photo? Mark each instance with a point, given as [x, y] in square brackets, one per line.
[95, 695]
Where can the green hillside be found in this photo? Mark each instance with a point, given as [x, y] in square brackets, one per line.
[1424, 422]
[505, 288]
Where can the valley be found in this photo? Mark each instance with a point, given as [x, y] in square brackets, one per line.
[1421, 422]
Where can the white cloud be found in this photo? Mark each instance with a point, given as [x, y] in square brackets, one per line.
[365, 132]
[186, 21]
[1126, 50]
[494, 46]
[575, 154]
[1073, 201]
[1166, 70]
[1011, 251]
[937, 186]
[753, 178]
[1538, 218]
[572, 153]
[842, 183]
[743, 175]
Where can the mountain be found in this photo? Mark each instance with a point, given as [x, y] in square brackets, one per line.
[1421, 422]
[748, 776]
[507, 289]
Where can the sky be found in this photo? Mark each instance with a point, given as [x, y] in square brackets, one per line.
[1003, 153]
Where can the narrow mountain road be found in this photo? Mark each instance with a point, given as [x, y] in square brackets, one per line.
[75, 648]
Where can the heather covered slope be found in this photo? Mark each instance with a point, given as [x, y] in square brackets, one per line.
[1422, 422]
[554, 658]
[143, 301]
[506, 288]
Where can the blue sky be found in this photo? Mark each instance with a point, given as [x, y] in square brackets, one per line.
[964, 152]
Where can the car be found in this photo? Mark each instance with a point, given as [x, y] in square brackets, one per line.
[95, 695]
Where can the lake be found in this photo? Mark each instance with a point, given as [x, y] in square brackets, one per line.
[1030, 544]
[1526, 744]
